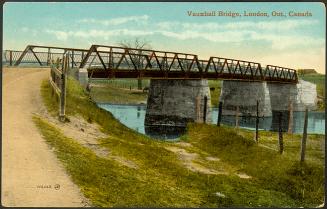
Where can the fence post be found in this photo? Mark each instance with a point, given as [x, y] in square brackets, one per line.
[236, 116]
[280, 134]
[72, 58]
[220, 107]
[304, 137]
[257, 124]
[62, 117]
[205, 109]
[197, 108]
[290, 118]
[10, 58]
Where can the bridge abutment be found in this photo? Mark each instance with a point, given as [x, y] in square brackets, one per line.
[174, 102]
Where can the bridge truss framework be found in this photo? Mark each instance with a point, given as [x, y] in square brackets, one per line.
[119, 62]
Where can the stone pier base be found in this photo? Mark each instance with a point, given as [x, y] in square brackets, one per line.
[244, 94]
[176, 102]
[273, 97]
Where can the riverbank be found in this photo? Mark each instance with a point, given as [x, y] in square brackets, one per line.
[210, 167]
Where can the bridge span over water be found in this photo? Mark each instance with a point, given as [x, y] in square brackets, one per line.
[119, 62]
[179, 91]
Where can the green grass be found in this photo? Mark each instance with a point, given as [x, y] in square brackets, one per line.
[272, 170]
[162, 180]
[107, 93]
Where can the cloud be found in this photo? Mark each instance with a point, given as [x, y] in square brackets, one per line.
[277, 41]
[241, 25]
[278, 34]
[64, 35]
[116, 21]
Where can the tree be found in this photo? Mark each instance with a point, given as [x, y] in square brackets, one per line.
[137, 44]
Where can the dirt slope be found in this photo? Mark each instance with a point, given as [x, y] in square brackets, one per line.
[31, 172]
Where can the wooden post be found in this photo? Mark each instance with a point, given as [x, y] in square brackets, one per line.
[257, 124]
[236, 116]
[72, 58]
[280, 134]
[290, 118]
[304, 137]
[62, 117]
[197, 108]
[220, 107]
[205, 109]
[10, 58]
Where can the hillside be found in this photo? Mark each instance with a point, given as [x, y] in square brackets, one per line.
[211, 166]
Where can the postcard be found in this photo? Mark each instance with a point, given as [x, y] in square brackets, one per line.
[163, 104]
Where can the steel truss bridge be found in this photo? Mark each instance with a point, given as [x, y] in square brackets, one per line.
[119, 62]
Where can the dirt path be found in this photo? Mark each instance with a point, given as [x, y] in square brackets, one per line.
[31, 172]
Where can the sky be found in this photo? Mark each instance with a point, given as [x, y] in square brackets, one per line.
[296, 42]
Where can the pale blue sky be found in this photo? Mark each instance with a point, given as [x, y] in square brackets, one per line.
[295, 42]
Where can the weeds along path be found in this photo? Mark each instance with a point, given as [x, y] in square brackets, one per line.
[31, 174]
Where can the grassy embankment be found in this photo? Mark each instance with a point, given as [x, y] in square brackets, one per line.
[162, 180]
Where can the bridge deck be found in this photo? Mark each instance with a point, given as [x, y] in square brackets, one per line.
[118, 62]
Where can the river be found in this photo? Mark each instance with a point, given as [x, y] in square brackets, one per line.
[133, 117]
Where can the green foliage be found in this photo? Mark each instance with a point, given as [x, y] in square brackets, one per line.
[108, 93]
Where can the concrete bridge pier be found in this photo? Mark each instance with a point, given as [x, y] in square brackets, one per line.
[175, 102]
[244, 94]
[274, 99]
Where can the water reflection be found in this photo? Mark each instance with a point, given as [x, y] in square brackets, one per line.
[133, 116]
[165, 132]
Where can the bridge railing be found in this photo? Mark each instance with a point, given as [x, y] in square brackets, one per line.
[234, 69]
[42, 55]
[272, 73]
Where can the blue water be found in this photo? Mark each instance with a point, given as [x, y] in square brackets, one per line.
[133, 117]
